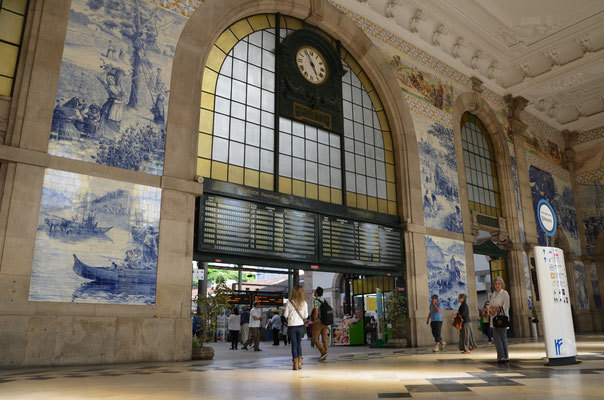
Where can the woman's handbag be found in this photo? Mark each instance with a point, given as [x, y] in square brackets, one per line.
[501, 320]
[458, 321]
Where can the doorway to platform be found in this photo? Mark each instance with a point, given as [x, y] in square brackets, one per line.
[489, 263]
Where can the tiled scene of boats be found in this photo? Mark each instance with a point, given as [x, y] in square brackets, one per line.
[97, 241]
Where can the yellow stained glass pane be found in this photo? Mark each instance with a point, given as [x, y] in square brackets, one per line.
[207, 101]
[208, 83]
[351, 199]
[285, 185]
[252, 178]
[392, 208]
[336, 196]
[203, 167]
[387, 140]
[298, 188]
[11, 26]
[383, 121]
[383, 206]
[259, 22]
[236, 174]
[390, 176]
[293, 23]
[391, 189]
[365, 81]
[8, 59]
[6, 84]
[362, 201]
[219, 171]
[18, 6]
[324, 193]
[204, 146]
[266, 181]
[215, 59]
[226, 41]
[389, 157]
[375, 100]
[353, 64]
[241, 29]
[372, 203]
[271, 19]
[206, 121]
[312, 191]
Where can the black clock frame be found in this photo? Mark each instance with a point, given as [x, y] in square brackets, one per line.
[319, 105]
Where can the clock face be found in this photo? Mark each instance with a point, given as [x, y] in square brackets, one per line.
[311, 64]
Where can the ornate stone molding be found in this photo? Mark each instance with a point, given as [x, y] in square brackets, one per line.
[568, 81]
[501, 237]
[459, 44]
[418, 16]
[389, 7]
[516, 106]
[441, 30]
[476, 59]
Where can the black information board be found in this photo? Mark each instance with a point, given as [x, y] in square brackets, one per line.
[352, 242]
[241, 227]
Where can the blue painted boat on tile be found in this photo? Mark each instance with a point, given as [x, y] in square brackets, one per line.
[115, 273]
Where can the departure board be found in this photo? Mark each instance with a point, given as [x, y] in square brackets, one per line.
[236, 226]
[352, 242]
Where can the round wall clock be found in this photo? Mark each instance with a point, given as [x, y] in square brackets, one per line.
[311, 64]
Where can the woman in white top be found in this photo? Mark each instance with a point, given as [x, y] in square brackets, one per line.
[234, 328]
[296, 312]
[500, 303]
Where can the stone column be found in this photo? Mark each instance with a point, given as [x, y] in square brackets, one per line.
[592, 320]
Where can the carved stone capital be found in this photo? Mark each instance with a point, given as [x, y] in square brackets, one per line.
[501, 237]
[570, 138]
[475, 227]
[515, 107]
[476, 84]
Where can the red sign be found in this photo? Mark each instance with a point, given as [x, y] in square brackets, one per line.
[314, 267]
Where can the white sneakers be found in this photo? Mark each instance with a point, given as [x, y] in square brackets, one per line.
[440, 347]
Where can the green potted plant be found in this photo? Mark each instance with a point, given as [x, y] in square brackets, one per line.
[396, 317]
[208, 308]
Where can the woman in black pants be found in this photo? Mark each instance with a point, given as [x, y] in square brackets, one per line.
[234, 328]
[466, 335]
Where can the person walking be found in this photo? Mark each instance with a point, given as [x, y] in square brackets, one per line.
[284, 329]
[255, 321]
[466, 334]
[276, 327]
[486, 323]
[500, 305]
[318, 327]
[296, 312]
[245, 324]
[234, 326]
[435, 319]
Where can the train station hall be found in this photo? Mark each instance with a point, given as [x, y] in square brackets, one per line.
[301, 199]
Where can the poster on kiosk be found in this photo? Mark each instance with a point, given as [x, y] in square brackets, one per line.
[559, 332]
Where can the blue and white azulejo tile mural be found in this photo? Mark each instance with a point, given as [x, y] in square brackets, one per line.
[446, 270]
[560, 195]
[438, 167]
[114, 85]
[581, 285]
[97, 241]
[595, 285]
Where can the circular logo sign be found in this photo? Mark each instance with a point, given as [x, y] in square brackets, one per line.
[547, 217]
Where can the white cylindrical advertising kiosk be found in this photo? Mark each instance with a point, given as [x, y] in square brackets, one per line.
[559, 332]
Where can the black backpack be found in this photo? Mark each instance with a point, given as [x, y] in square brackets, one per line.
[325, 313]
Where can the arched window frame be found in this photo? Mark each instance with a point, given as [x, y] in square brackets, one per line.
[484, 194]
[208, 167]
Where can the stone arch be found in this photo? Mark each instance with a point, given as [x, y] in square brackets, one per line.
[201, 32]
[474, 103]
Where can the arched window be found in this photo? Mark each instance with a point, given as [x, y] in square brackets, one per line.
[238, 126]
[12, 21]
[481, 168]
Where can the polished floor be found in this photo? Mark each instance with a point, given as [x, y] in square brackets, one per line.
[349, 373]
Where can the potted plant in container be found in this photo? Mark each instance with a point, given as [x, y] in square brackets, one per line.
[208, 308]
[396, 316]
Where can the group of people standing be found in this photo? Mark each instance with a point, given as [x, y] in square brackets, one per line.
[294, 321]
[498, 305]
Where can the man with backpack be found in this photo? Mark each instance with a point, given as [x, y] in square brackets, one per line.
[322, 318]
